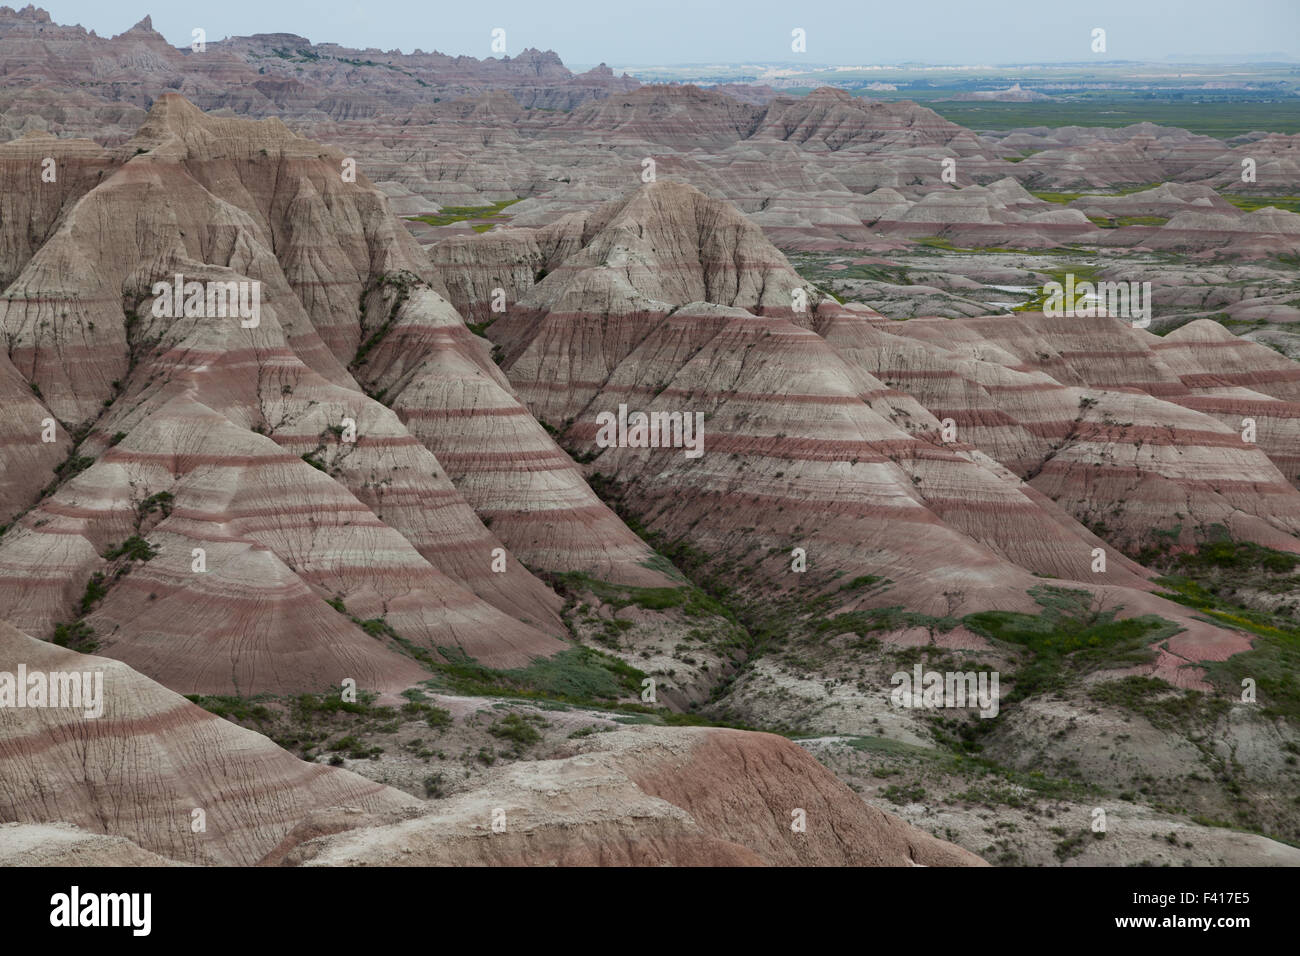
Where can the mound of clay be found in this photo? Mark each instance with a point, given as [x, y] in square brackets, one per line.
[62, 844]
[141, 769]
[644, 797]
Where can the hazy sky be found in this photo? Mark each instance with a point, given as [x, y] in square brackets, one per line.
[651, 32]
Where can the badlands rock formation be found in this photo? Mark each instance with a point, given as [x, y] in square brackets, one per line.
[210, 508]
[1125, 452]
[139, 772]
[62, 844]
[395, 471]
[268, 74]
[199, 429]
[458, 131]
[141, 769]
[677, 330]
[699, 797]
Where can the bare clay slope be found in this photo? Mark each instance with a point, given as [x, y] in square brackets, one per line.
[671, 300]
[204, 433]
[142, 768]
[1132, 434]
[646, 796]
[699, 797]
[824, 427]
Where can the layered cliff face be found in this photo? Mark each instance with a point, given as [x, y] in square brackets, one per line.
[1238, 382]
[668, 301]
[346, 481]
[142, 768]
[253, 444]
[1090, 413]
[681, 118]
[42, 176]
[152, 779]
[832, 119]
[445, 389]
[221, 506]
[953, 464]
[268, 74]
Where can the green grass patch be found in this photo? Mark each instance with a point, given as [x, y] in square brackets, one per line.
[1162, 705]
[77, 636]
[577, 675]
[1235, 556]
[241, 710]
[1081, 272]
[1273, 662]
[864, 581]
[1114, 222]
[1252, 203]
[1070, 637]
[865, 623]
[517, 729]
[691, 600]
[95, 592]
[160, 502]
[452, 214]
[1062, 198]
[901, 794]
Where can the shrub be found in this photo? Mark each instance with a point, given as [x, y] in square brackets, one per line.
[517, 730]
[134, 548]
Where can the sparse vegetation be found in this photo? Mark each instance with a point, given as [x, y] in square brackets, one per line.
[452, 214]
[134, 548]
